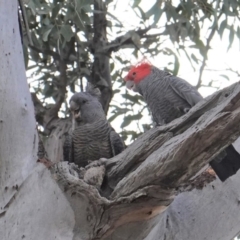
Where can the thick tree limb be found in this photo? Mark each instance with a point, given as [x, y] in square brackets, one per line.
[218, 112]
[148, 173]
[108, 214]
[145, 178]
[210, 213]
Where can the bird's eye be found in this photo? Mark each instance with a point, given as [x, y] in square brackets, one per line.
[134, 73]
[84, 101]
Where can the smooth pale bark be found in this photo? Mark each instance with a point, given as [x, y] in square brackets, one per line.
[38, 203]
[32, 205]
[17, 125]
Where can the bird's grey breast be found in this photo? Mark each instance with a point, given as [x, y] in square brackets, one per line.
[91, 142]
[163, 102]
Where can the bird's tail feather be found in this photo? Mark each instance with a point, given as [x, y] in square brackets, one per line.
[229, 165]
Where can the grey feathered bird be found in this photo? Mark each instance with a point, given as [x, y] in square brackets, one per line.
[92, 136]
[169, 97]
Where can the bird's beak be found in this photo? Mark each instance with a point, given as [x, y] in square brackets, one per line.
[131, 85]
[75, 110]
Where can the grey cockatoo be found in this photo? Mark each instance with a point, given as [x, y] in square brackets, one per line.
[92, 136]
[169, 97]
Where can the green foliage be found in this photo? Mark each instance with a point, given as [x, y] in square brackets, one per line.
[63, 31]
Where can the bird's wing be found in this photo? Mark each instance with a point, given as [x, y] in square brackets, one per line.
[116, 142]
[68, 148]
[185, 90]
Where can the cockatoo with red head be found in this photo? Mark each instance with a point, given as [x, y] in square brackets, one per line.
[169, 97]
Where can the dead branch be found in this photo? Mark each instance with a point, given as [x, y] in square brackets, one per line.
[146, 177]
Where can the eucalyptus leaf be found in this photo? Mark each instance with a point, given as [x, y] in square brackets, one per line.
[46, 34]
[231, 37]
[136, 3]
[67, 32]
[194, 58]
[222, 27]
[224, 76]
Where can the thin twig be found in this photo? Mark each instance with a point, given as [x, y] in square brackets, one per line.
[24, 16]
[208, 47]
[78, 65]
[122, 40]
[52, 112]
[55, 55]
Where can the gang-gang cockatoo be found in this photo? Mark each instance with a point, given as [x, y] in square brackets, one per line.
[169, 97]
[92, 136]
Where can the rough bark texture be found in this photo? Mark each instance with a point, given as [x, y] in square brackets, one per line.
[148, 179]
[174, 161]
[156, 167]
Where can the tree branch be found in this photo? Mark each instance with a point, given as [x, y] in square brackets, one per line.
[101, 50]
[209, 39]
[51, 112]
[101, 73]
[210, 120]
[109, 214]
[40, 110]
[25, 20]
[126, 39]
[149, 174]
[49, 52]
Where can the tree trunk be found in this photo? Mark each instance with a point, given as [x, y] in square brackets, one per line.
[148, 199]
[32, 205]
